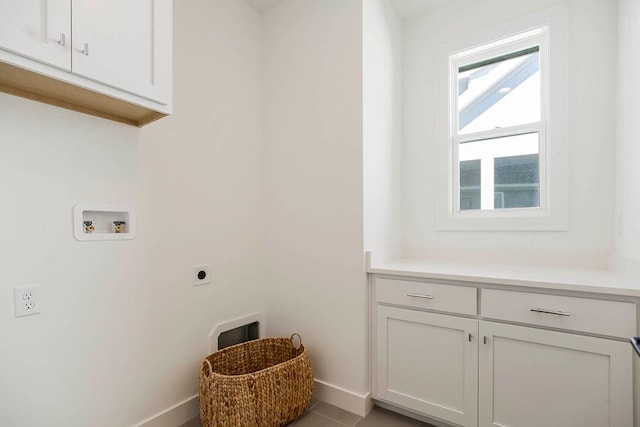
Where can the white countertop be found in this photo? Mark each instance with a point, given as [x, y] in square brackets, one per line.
[577, 280]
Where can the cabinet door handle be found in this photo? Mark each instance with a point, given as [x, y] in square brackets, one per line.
[63, 39]
[484, 339]
[469, 337]
[85, 50]
[554, 312]
[420, 296]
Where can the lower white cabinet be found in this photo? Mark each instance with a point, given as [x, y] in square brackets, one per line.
[469, 371]
[428, 363]
[531, 378]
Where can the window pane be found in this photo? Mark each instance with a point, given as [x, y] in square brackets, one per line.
[470, 185]
[517, 182]
[499, 92]
[500, 173]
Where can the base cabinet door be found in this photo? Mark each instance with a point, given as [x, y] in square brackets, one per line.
[428, 363]
[532, 378]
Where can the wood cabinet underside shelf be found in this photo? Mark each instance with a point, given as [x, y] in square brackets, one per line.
[37, 87]
[108, 59]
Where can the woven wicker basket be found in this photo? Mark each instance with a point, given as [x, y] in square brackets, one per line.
[266, 382]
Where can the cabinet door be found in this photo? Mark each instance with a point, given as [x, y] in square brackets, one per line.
[125, 44]
[37, 29]
[532, 378]
[426, 362]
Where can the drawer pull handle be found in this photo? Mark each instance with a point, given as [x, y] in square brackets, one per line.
[554, 312]
[420, 296]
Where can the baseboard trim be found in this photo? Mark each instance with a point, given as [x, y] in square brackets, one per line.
[176, 415]
[359, 404]
[180, 413]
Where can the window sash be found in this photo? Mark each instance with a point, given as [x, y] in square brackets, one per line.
[502, 47]
[487, 168]
[496, 59]
[536, 38]
[497, 133]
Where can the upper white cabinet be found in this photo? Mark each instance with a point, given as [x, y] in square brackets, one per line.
[37, 29]
[112, 59]
[124, 44]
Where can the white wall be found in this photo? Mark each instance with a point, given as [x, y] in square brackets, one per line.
[313, 183]
[260, 173]
[382, 126]
[628, 149]
[592, 63]
[122, 331]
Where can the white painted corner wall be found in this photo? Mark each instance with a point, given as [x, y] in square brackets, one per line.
[258, 172]
[382, 125]
[279, 166]
[627, 208]
[313, 181]
[122, 331]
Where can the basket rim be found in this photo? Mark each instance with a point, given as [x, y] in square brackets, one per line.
[251, 342]
[212, 373]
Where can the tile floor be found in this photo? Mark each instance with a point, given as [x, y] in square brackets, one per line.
[321, 414]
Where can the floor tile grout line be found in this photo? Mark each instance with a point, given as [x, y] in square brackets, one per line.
[329, 418]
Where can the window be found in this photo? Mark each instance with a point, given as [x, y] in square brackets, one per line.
[496, 131]
[502, 127]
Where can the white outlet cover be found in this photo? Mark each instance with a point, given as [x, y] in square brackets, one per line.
[196, 269]
[26, 300]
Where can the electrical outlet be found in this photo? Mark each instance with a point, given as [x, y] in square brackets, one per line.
[201, 275]
[26, 300]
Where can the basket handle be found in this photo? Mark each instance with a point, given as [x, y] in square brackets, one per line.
[295, 334]
[205, 363]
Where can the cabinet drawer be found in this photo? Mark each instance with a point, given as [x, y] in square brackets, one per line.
[578, 314]
[432, 296]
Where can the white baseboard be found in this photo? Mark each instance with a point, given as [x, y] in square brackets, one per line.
[359, 404]
[176, 415]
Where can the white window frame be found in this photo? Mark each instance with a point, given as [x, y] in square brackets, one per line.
[548, 30]
[534, 38]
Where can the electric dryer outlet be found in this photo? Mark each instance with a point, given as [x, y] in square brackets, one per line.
[200, 275]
